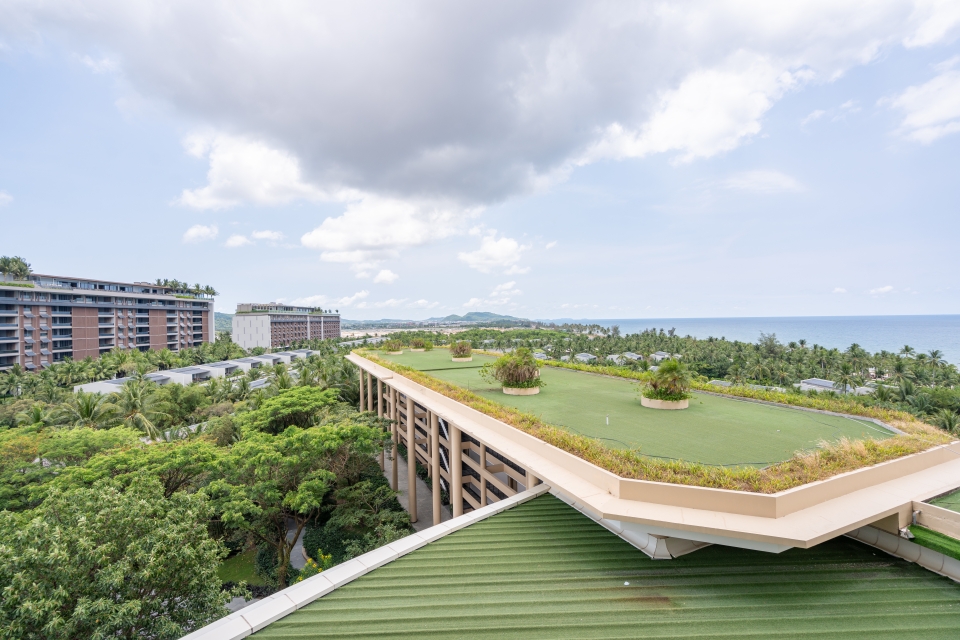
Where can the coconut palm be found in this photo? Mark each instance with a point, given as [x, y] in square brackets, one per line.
[11, 382]
[907, 351]
[38, 415]
[138, 407]
[92, 410]
[936, 361]
[846, 378]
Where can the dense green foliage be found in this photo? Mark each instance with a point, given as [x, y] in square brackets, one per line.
[249, 469]
[104, 563]
[14, 267]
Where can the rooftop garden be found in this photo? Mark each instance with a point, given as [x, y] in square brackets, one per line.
[722, 440]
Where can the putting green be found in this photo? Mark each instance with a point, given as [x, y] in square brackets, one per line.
[950, 501]
[714, 430]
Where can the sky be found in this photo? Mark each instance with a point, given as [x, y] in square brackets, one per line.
[539, 159]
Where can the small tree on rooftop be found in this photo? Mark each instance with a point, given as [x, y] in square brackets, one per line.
[670, 382]
[460, 349]
[393, 345]
[517, 369]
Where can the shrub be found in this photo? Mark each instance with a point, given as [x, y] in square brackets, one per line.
[418, 343]
[427, 345]
[461, 349]
[517, 370]
[392, 345]
[671, 382]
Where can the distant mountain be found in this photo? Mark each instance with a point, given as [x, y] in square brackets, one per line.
[478, 316]
[222, 321]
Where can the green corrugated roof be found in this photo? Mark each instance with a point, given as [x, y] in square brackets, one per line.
[543, 570]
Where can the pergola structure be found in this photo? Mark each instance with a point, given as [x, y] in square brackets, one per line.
[480, 460]
[471, 472]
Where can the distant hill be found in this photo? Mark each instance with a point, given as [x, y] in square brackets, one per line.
[478, 316]
[222, 321]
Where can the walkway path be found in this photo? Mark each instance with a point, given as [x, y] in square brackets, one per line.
[424, 497]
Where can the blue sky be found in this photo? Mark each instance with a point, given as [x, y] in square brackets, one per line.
[542, 160]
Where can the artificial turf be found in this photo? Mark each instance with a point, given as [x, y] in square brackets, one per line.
[950, 501]
[714, 430]
[543, 570]
[935, 540]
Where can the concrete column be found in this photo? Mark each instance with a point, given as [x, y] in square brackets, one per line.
[394, 415]
[411, 461]
[483, 482]
[435, 464]
[456, 471]
[361, 390]
[369, 392]
[380, 415]
[531, 480]
[380, 386]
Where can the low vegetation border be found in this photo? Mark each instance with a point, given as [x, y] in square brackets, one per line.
[828, 460]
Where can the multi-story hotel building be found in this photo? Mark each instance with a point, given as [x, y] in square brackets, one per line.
[276, 325]
[46, 319]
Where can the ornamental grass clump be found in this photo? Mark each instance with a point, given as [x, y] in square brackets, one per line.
[461, 349]
[515, 370]
[670, 382]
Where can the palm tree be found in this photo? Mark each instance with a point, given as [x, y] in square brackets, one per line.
[36, 416]
[6, 266]
[138, 407]
[907, 351]
[12, 381]
[936, 361]
[846, 377]
[947, 420]
[92, 410]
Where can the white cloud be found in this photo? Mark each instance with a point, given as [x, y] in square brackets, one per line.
[200, 233]
[372, 228]
[423, 304]
[463, 103]
[245, 170]
[712, 110]
[392, 302]
[237, 240]
[761, 181]
[551, 245]
[931, 110]
[273, 236]
[5, 198]
[386, 277]
[881, 290]
[501, 295]
[839, 290]
[103, 65]
[324, 301]
[816, 114]
[495, 253]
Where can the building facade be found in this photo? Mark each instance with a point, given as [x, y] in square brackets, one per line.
[47, 319]
[276, 325]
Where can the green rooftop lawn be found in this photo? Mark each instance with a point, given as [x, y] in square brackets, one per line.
[714, 430]
[935, 540]
[950, 501]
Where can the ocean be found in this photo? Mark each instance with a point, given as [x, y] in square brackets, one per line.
[873, 333]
